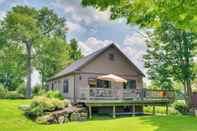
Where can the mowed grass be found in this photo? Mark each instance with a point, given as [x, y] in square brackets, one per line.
[12, 119]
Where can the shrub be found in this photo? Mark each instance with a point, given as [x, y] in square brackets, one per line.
[55, 94]
[3, 91]
[41, 105]
[58, 104]
[14, 95]
[181, 106]
[21, 90]
[160, 110]
[38, 90]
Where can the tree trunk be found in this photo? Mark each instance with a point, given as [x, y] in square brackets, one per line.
[188, 95]
[190, 103]
[29, 71]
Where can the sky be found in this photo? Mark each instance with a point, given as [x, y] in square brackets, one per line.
[92, 28]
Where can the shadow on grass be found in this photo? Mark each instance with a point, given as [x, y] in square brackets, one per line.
[97, 117]
[171, 123]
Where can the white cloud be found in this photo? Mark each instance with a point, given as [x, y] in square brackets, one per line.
[2, 15]
[74, 27]
[83, 16]
[134, 47]
[92, 44]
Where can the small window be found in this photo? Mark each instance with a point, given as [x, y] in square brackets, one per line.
[65, 86]
[111, 57]
[131, 84]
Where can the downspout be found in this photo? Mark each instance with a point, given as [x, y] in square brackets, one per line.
[74, 99]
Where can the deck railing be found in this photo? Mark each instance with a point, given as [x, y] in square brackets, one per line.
[122, 94]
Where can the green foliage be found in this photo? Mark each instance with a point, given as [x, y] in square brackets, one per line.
[151, 13]
[52, 57]
[54, 94]
[21, 90]
[31, 38]
[74, 51]
[3, 91]
[12, 70]
[181, 107]
[160, 110]
[38, 90]
[41, 105]
[14, 95]
[14, 120]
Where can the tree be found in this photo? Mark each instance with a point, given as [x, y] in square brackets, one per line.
[151, 13]
[21, 28]
[52, 58]
[51, 24]
[52, 54]
[74, 51]
[12, 69]
[174, 20]
[170, 56]
[33, 31]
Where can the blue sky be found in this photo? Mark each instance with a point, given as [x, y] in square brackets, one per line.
[92, 28]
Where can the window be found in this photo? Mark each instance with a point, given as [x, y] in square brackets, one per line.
[52, 85]
[111, 56]
[59, 83]
[103, 84]
[92, 82]
[65, 86]
[131, 84]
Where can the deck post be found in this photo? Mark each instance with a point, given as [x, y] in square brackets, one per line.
[153, 109]
[133, 109]
[114, 111]
[90, 112]
[166, 109]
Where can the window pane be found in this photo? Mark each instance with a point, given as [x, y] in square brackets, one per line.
[92, 82]
[131, 84]
[65, 86]
[103, 84]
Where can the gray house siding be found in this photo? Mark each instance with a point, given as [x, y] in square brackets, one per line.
[100, 65]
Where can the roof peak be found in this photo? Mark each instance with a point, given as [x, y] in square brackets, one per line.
[83, 61]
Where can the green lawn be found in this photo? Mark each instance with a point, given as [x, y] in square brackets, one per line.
[12, 119]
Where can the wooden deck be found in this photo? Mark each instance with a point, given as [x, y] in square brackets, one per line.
[126, 102]
[131, 103]
[132, 98]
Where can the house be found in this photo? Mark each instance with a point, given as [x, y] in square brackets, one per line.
[106, 79]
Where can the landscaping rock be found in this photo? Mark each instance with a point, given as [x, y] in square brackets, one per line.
[61, 119]
[47, 119]
[24, 107]
[75, 116]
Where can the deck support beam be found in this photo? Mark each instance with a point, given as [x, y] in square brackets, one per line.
[153, 109]
[114, 111]
[133, 109]
[166, 109]
[90, 112]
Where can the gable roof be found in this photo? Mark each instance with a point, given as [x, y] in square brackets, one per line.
[85, 60]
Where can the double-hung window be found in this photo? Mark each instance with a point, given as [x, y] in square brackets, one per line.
[65, 86]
